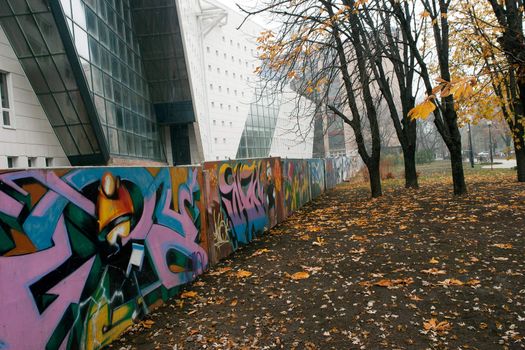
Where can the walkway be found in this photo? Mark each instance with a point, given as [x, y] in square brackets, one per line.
[412, 270]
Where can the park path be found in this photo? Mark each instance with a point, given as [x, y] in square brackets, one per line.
[411, 270]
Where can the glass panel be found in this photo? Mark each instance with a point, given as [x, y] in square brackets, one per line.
[52, 111]
[37, 5]
[5, 10]
[16, 37]
[69, 146]
[79, 16]
[36, 42]
[101, 108]
[35, 76]
[91, 22]
[19, 6]
[91, 136]
[78, 103]
[81, 42]
[113, 140]
[6, 118]
[68, 112]
[4, 92]
[122, 141]
[50, 73]
[66, 7]
[98, 85]
[49, 30]
[80, 137]
[65, 71]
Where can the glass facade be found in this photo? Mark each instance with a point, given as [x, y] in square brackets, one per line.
[256, 139]
[84, 62]
[34, 36]
[109, 52]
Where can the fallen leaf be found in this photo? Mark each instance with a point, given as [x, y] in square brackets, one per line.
[234, 302]
[300, 275]
[503, 245]
[320, 242]
[434, 271]
[260, 252]
[219, 271]
[434, 325]
[189, 294]
[243, 274]
[451, 282]
[434, 261]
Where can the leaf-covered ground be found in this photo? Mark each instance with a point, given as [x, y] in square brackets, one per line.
[411, 270]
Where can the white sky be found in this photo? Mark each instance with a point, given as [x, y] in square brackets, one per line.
[232, 3]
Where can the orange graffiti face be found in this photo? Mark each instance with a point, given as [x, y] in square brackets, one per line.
[114, 209]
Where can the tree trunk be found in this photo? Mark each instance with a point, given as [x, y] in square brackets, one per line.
[409, 156]
[458, 177]
[375, 178]
[520, 150]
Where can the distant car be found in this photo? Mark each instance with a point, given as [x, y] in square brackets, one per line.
[483, 154]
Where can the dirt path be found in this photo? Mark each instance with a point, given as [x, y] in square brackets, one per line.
[411, 270]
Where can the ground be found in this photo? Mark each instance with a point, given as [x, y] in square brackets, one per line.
[411, 270]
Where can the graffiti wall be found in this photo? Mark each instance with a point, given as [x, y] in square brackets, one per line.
[84, 253]
[316, 177]
[244, 200]
[296, 184]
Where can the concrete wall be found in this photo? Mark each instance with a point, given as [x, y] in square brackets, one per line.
[30, 137]
[85, 252]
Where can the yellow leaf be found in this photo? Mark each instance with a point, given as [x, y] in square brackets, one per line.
[434, 271]
[189, 294]
[451, 282]
[300, 275]
[243, 274]
[423, 110]
[503, 245]
[434, 261]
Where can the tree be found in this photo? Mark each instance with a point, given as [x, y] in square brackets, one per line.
[497, 47]
[441, 98]
[319, 51]
[389, 50]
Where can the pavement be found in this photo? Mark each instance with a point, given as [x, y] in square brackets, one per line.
[503, 164]
[414, 269]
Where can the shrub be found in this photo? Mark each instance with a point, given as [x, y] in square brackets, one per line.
[424, 157]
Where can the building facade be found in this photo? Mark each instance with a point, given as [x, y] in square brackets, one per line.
[90, 82]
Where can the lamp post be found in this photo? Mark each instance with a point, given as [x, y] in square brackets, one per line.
[471, 150]
[489, 123]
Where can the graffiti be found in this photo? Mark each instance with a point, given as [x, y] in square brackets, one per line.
[97, 247]
[296, 184]
[85, 253]
[317, 177]
[220, 231]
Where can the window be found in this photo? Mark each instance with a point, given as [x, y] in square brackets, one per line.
[5, 100]
[211, 86]
[228, 90]
[207, 49]
[235, 92]
[214, 122]
[222, 123]
[223, 38]
[209, 67]
[237, 109]
[234, 75]
[223, 140]
[226, 72]
[215, 139]
[231, 124]
[216, 52]
[49, 162]
[31, 162]
[218, 70]
[221, 105]
[229, 107]
[220, 88]
[11, 162]
[225, 56]
[213, 104]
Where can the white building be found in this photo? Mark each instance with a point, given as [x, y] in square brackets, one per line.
[144, 83]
